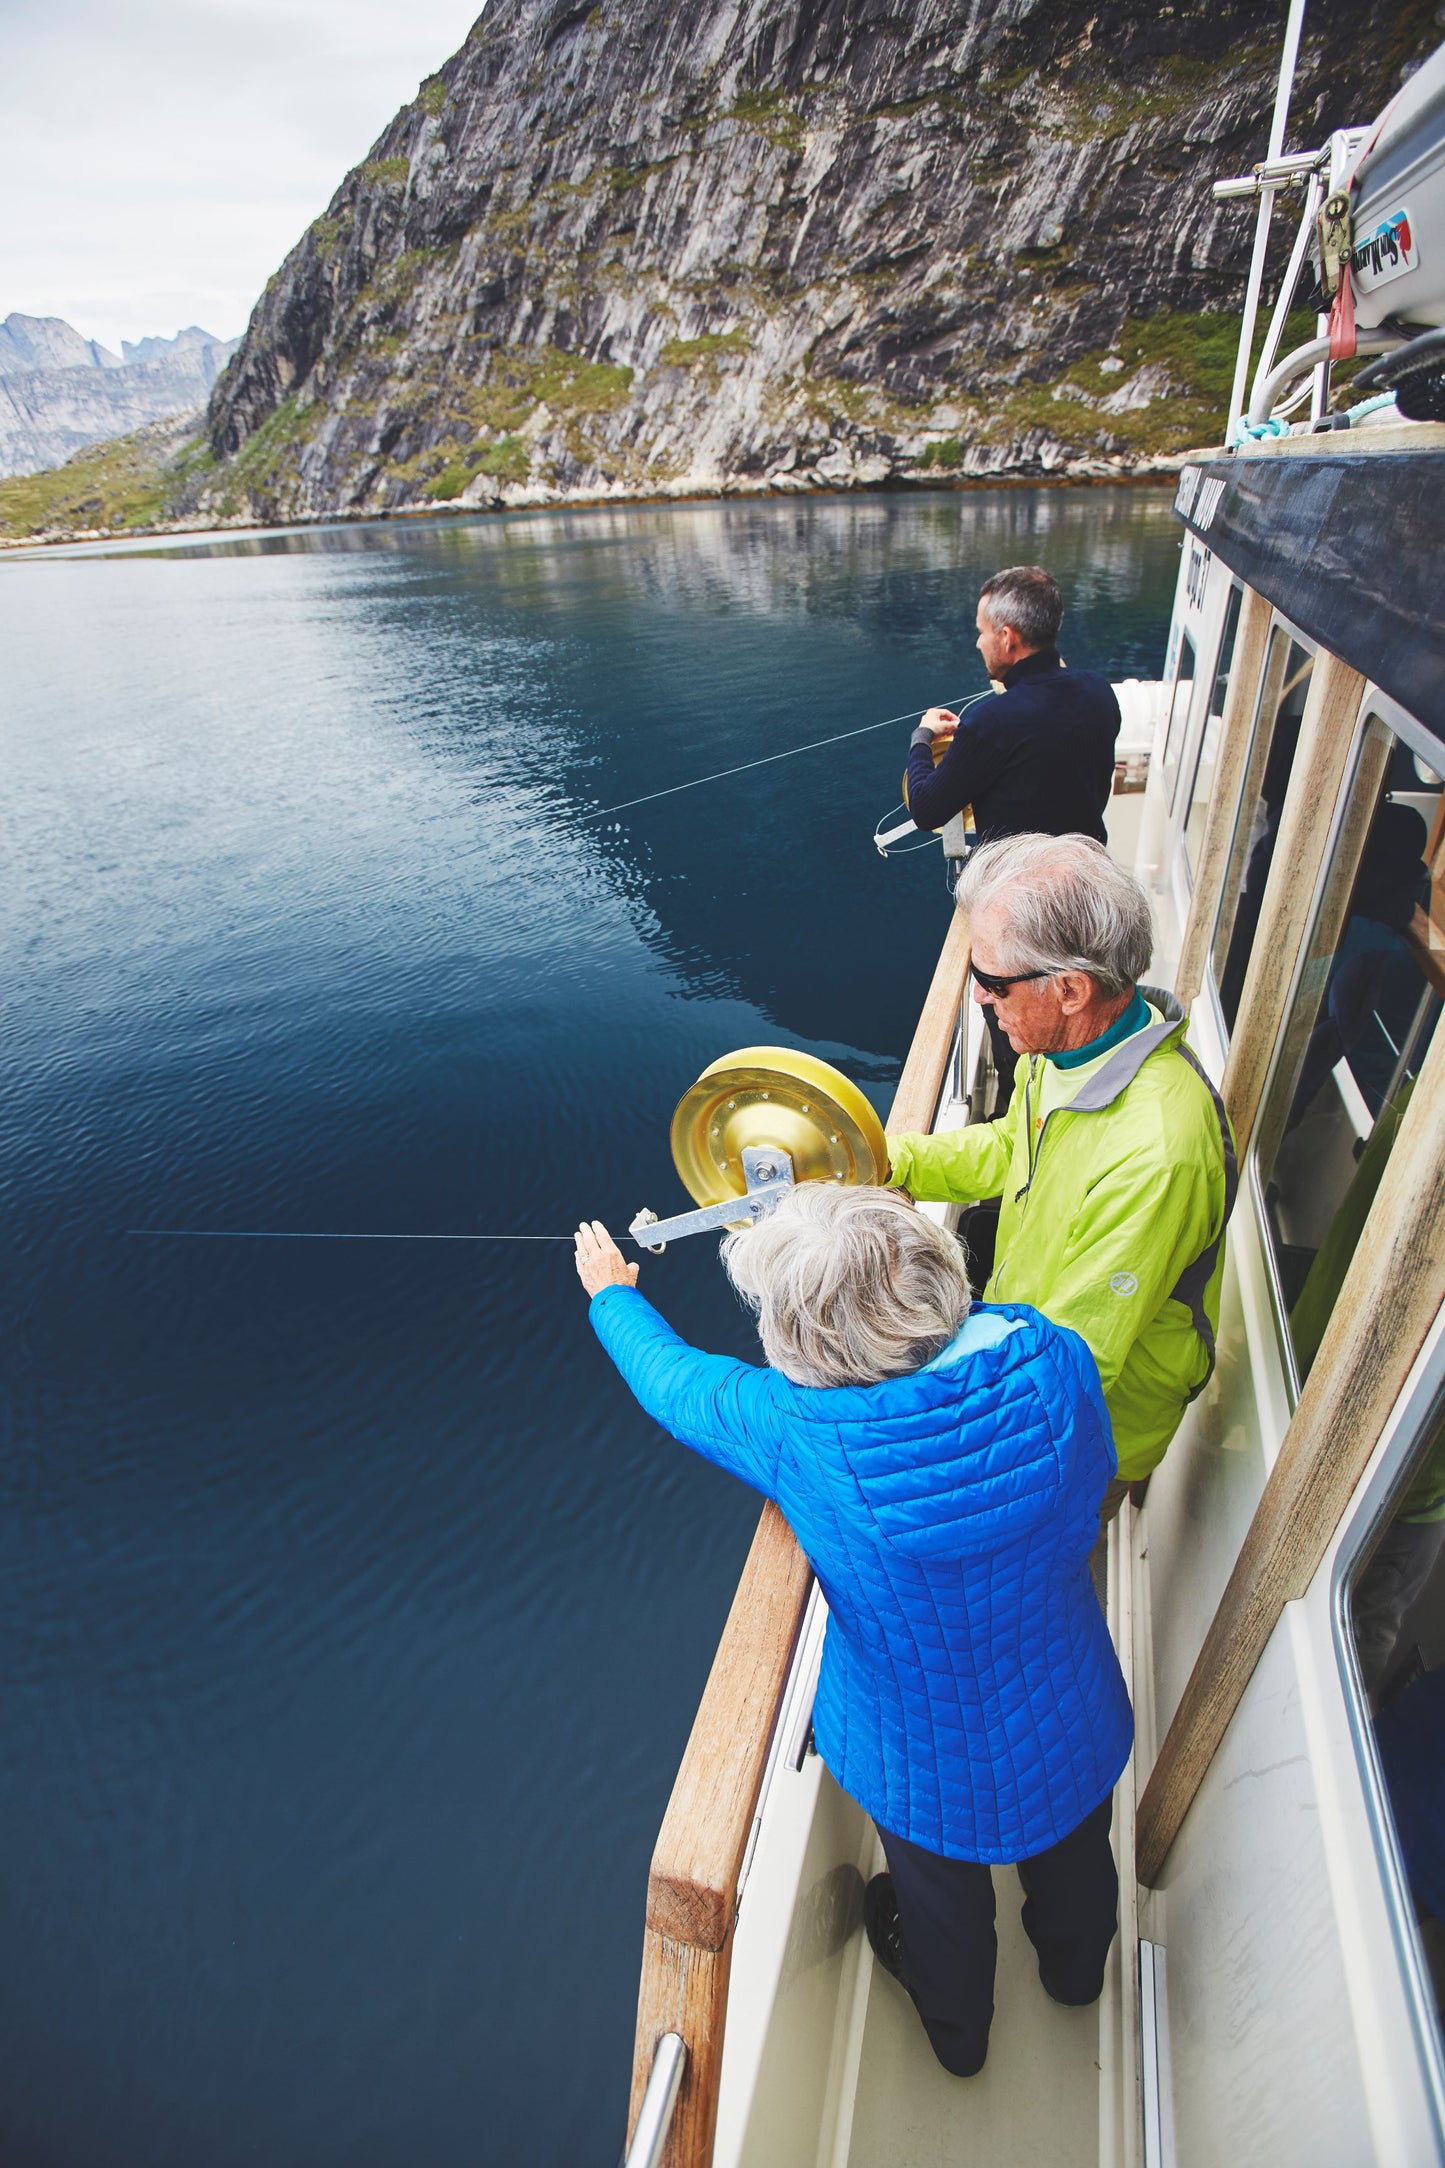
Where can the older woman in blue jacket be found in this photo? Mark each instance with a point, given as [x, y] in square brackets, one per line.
[942, 1464]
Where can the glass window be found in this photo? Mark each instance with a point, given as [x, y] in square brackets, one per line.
[1204, 760]
[1179, 698]
[1395, 1615]
[1367, 1002]
[1277, 719]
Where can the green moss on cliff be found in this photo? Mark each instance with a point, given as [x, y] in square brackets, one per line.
[506, 461]
[267, 464]
[386, 172]
[772, 113]
[398, 280]
[622, 179]
[432, 97]
[524, 378]
[509, 460]
[329, 233]
[450, 483]
[686, 353]
[1103, 108]
[1194, 354]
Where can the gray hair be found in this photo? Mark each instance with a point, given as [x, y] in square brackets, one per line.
[1064, 905]
[849, 1285]
[1028, 598]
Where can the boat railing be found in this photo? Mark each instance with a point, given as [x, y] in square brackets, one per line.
[654, 2120]
[700, 1860]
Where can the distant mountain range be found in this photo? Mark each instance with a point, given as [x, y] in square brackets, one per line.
[60, 392]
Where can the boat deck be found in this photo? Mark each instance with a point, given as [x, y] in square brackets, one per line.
[826, 2062]
[1030, 2104]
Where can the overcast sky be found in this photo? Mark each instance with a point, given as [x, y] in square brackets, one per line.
[159, 157]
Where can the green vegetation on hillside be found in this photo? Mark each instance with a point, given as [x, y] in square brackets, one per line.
[127, 482]
[508, 460]
[772, 113]
[329, 232]
[1193, 353]
[469, 428]
[683, 353]
[267, 461]
[386, 172]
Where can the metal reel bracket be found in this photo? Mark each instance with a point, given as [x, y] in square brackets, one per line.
[769, 1176]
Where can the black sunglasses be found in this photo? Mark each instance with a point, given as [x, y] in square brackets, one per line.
[998, 987]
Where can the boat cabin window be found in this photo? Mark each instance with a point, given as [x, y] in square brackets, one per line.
[1180, 694]
[1367, 1000]
[1394, 1614]
[1202, 783]
[1277, 717]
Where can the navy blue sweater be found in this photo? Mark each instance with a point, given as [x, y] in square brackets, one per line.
[1038, 757]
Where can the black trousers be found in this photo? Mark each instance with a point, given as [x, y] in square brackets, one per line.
[949, 1948]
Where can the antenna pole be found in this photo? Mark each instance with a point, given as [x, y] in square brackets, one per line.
[1288, 59]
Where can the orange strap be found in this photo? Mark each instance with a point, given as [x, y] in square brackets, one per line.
[1342, 318]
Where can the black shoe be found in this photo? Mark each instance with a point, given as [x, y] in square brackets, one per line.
[880, 1918]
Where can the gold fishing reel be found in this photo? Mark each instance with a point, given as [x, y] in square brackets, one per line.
[774, 1096]
[754, 1124]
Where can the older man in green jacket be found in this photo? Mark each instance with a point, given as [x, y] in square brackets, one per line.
[1114, 1164]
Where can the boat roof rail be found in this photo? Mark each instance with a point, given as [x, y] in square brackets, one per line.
[654, 2117]
[1287, 171]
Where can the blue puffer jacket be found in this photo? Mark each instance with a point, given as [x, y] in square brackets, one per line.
[970, 1699]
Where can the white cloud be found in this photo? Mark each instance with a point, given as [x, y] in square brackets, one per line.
[158, 159]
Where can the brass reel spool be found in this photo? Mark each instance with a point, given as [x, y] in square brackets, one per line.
[774, 1097]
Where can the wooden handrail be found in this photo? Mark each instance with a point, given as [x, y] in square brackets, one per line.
[1358, 1375]
[692, 1888]
[916, 1100]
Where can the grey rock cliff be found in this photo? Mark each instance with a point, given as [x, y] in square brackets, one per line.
[663, 246]
[60, 392]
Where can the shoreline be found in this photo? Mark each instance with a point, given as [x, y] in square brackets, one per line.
[1157, 474]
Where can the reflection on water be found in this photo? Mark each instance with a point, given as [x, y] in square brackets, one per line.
[352, 1618]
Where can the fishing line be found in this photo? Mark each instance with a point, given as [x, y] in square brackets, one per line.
[293, 1234]
[814, 745]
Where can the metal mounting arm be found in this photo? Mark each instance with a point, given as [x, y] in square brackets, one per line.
[769, 1176]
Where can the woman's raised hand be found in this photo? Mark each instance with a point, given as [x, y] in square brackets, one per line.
[599, 1261]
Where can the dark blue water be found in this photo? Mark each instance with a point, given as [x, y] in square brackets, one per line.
[351, 1619]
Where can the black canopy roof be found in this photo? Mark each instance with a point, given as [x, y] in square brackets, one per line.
[1349, 546]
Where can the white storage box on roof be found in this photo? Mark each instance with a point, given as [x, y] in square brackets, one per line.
[1398, 202]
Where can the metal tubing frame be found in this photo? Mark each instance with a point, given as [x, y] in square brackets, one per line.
[654, 2117]
[1277, 124]
[1314, 197]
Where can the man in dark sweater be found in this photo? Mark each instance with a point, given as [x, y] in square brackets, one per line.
[1038, 758]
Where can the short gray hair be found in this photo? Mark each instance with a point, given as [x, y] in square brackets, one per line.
[849, 1285]
[1065, 906]
[1028, 598]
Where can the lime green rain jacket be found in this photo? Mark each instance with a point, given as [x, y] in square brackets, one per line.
[1112, 1217]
